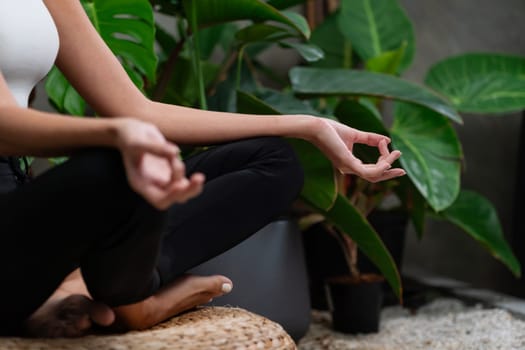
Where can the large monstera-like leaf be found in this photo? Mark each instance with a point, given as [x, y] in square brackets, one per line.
[211, 12]
[340, 82]
[127, 27]
[375, 27]
[481, 83]
[431, 153]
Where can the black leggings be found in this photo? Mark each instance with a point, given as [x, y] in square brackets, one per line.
[83, 214]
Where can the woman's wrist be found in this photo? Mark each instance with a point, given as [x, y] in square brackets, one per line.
[307, 127]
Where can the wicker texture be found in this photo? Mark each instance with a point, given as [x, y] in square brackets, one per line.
[208, 328]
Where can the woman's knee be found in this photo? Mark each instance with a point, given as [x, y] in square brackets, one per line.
[102, 177]
[280, 162]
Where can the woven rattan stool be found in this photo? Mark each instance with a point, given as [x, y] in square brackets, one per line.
[207, 328]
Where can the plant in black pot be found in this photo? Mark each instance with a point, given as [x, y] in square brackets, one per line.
[359, 73]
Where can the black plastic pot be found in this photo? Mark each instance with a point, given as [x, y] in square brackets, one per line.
[355, 305]
[325, 257]
[269, 275]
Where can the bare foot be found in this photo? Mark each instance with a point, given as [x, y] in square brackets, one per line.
[181, 295]
[68, 316]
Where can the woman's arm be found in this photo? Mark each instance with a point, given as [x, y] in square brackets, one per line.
[152, 165]
[25, 131]
[98, 76]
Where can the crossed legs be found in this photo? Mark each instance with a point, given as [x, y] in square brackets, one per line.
[82, 214]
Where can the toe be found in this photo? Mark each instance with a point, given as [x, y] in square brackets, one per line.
[101, 314]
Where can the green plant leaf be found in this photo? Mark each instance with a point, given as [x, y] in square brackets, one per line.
[337, 49]
[431, 153]
[261, 32]
[319, 187]
[62, 95]
[129, 30]
[183, 88]
[333, 82]
[169, 7]
[377, 26]
[361, 115]
[310, 52]
[481, 83]
[286, 103]
[477, 216]
[413, 202]
[218, 11]
[388, 62]
[284, 4]
[350, 221]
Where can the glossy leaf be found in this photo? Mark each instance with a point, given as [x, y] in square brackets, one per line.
[284, 4]
[183, 87]
[333, 82]
[218, 11]
[310, 52]
[337, 49]
[363, 116]
[481, 83]
[413, 202]
[62, 95]
[261, 32]
[432, 153]
[350, 221]
[129, 30]
[287, 103]
[377, 26]
[388, 62]
[477, 216]
[319, 187]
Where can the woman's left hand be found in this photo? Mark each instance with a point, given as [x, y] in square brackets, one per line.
[337, 141]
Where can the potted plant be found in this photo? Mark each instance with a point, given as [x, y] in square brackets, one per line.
[421, 128]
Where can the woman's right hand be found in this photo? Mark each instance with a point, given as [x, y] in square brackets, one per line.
[153, 166]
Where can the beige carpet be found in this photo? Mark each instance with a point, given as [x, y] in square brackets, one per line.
[445, 324]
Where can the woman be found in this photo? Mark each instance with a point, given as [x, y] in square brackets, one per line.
[105, 238]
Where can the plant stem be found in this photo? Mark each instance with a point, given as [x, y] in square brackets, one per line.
[223, 73]
[167, 72]
[197, 56]
[239, 68]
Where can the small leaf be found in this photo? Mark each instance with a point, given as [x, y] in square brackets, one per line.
[477, 216]
[388, 62]
[310, 52]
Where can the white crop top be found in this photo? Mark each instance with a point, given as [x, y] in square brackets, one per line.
[28, 45]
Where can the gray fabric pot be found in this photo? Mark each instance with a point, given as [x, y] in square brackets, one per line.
[269, 275]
